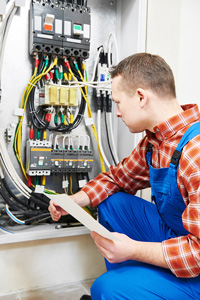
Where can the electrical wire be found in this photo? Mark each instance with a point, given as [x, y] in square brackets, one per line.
[61, 127]
[113, 147]
[96, 62]
[90, 115]
[5, 30]
[99, 135]
[109, 47]
[108, 138]
[25, 96]
[6, 231]
[15, 219]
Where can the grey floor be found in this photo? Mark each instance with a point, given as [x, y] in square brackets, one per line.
[68, 291]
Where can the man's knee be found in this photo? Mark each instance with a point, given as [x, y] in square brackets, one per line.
[102, 289]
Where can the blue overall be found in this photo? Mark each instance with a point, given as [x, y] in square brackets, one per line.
[149, 222]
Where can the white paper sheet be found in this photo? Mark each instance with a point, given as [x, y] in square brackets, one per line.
[81, 215]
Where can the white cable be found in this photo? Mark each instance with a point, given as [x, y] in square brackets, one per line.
[13, 217]
[11, 169]
[6, 231]
[93, 84]
[96, 62]
[112, 137]
[3, 25]
[99, 137]
[3, 44]
[109, 47]
[88, 138]
[1, 173]
[66, 136]
[58, 136]
[11, 177]
[71, 140]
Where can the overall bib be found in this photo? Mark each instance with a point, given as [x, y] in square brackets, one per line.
[145, 221]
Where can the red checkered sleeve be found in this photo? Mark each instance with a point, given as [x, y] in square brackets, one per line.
[130, 175]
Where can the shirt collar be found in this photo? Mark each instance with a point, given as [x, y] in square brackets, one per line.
[168, 128]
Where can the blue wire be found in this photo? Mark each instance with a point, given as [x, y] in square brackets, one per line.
[13, 217]
[6, 230]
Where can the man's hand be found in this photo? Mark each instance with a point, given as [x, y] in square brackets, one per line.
[81, 198]
[114, 251]
[56, 211]
[128, 249]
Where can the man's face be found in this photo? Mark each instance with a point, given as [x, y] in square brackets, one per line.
[128, 106]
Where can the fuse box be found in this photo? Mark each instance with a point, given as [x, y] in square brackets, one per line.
[60, 28]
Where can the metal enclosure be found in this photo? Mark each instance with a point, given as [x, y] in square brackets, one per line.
[127, 19]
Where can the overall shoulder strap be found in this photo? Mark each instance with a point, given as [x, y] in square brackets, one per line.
[192, 131]
[149, 152]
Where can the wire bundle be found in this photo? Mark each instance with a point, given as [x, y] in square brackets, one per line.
[25, 206]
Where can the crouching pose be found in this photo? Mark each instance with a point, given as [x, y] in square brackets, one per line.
[158, 255]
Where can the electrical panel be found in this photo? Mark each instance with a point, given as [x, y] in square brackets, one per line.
[55, 149]
[60, 28]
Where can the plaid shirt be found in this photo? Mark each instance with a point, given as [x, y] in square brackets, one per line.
[182, 254]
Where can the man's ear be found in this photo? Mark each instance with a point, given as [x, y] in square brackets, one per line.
[142, 96]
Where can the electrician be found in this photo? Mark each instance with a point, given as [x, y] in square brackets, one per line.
[158, 255]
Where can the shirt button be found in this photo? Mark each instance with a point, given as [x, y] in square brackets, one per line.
[165, 137]
[157, 130]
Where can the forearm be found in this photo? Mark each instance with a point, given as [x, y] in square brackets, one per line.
[81, 198]
[128, 249]
[150, 253]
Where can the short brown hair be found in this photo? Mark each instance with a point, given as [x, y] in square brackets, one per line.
[144, 70]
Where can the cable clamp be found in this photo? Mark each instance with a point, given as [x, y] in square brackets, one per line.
[65, 184]
[32, 84]
[89, 122]
[19, 112]
[39, 189]
[81, 183]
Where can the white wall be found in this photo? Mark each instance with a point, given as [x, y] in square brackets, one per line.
[188, 78]
[48, 262]
[173, 33]
[132, 38]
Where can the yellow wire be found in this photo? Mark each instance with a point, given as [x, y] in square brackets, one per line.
[90, 116]
[70, 179]
[28, 89]
[43, 180]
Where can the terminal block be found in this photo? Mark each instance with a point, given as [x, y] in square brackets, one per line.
[51, 94]
[38, 158]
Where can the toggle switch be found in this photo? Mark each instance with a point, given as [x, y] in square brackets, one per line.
[40, 160]
[78, 29]
[48, 23]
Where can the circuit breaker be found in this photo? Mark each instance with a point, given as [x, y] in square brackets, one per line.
[41, 159]
[38, 155]
[60, 28]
